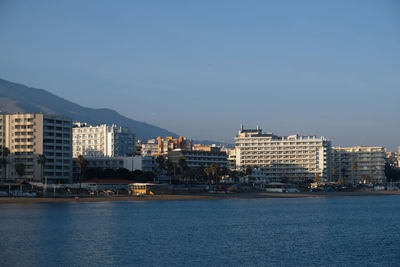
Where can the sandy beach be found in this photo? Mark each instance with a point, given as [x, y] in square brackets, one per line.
[179, 197]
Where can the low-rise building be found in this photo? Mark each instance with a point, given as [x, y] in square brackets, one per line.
[199, 158]
[145, 164]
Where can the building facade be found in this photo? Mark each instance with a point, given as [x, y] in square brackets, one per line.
[294, 157]
[102, 141]
[199, 158]
[150, 148]
[169, 143]
[231, 153]
[358, 164]
[29, 136]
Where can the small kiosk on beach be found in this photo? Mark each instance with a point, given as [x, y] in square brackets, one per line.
[142, 188]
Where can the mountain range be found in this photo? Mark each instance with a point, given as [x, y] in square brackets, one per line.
[16, 98]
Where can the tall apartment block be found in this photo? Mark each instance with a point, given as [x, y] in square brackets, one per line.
[102, 141]
[29, 135]
[291, 157]
[358, 164]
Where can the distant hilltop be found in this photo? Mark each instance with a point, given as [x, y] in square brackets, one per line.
[16, 97]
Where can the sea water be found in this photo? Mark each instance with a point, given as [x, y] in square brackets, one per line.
[338, 231]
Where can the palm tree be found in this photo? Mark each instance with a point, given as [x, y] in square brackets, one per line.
[170, 168]
[41, 160]
[20, 169]
[215, 172]
[5, 152]
[208, 173]
[83, 163]
[183, 167]
[161, 165]
[317, 178]
[355, 167]
[334, 171]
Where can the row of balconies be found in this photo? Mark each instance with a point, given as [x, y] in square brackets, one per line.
[277, 149]
[280, 154]
[245, 144]
[22, 127]
[205, 159]
[22, 147]
[57, 175]
[270, 164]
[299, 157]
[280, 148]
[56, 155]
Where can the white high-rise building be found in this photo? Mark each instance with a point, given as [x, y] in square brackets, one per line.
[358, 164]
[293, 157]
[102, 141]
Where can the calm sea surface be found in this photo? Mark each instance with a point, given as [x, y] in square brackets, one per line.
[344, 231]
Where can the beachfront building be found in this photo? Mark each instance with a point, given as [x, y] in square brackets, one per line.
[359, 164]
[292, 158]
[102, 141]
[31, 136]
[199, 158]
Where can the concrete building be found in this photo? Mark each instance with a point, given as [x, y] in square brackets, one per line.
[293, 157]
[231, 153]
[102, 141]
[199, 158]
[29, 135]
[169, 143]
[150, 148]
[161, 146]
[360, 164]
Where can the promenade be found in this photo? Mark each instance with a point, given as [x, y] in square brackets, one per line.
[203, 196]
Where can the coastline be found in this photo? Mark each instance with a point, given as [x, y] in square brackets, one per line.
[181, 197]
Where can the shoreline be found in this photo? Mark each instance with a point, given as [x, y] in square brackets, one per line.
[181, 197]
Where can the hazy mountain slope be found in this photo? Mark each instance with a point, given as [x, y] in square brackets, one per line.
[20, 98]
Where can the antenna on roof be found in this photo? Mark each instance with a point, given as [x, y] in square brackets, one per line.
[241, 127]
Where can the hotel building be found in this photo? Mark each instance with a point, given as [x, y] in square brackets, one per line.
[29, 135]
[360, 164]
[102, 141]
[292, 158]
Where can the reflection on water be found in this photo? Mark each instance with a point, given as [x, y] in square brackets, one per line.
[323, 231]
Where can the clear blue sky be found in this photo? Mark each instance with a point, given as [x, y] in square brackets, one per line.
[201, 68]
